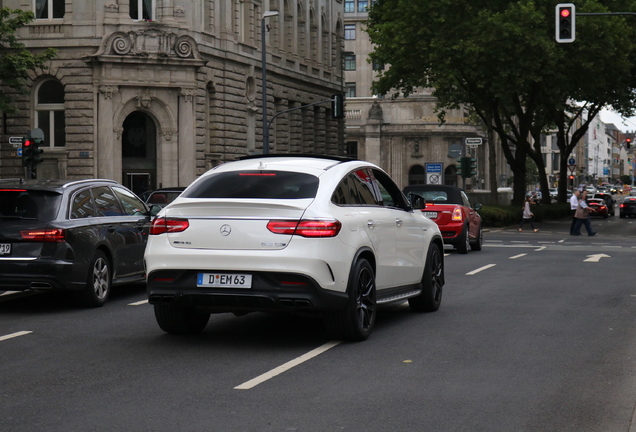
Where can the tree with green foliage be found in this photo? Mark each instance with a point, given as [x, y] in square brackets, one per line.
[500, 58]
[15, 60]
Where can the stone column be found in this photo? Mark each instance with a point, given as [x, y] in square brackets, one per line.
[107, 135]
[187, 137]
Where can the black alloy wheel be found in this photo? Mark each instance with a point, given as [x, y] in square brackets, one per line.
[463, 241]
[356, 321]
[98, 281]
[432, 283]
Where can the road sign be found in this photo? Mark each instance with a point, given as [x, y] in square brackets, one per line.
[19, 152]
[15, 141]
[473, 141]
[572, 168]
[571, 161]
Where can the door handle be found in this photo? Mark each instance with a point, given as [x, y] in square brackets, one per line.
[370, 224]
[398, 222]
[111, 229]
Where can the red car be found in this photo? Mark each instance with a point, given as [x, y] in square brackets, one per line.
[598, 207]
[451, 209]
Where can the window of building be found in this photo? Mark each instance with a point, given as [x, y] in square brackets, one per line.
[350, 31]
[350, 89]
[142, 10]
[349, 62]
[363, 5]
[49, 112]
[49, 9]
[350, 6]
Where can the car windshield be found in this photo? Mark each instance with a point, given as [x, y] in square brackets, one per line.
[29, 204]
[255, 184]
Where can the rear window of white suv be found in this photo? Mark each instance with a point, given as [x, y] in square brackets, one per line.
[255, 184]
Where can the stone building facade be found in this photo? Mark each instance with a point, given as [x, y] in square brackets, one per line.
[153, 93]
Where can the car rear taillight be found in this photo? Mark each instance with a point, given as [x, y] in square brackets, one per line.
[44, 235]
[168, 225]
[457, 214]
[306, 228]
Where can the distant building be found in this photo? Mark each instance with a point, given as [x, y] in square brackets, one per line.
[155, 92]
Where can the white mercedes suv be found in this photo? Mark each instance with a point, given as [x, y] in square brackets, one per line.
[299, 234]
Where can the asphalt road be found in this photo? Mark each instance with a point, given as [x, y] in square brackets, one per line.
[535, 333]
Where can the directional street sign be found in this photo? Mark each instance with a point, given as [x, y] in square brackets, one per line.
[15, 141]
[473, 141]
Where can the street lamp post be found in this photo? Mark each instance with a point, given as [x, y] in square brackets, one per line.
[266, 14]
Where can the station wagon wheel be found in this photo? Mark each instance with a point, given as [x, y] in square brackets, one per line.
[98, 281]
[356, 321]
[432, 283]
[180, 320]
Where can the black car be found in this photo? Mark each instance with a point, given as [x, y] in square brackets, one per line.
[628, 207]
[85, 235]
[609, 201]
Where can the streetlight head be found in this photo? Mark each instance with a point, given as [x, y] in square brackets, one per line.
[267, 14]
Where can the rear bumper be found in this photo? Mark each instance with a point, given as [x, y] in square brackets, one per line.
[22, 275]
[270, 292]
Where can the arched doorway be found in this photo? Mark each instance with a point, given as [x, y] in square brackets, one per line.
[417, 175]
[139, 152]
[450, 175]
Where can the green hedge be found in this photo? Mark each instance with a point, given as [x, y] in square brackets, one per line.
[502, 216]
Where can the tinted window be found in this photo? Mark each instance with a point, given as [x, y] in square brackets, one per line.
[391, 194]
[363, 189]
[341, 195]
[106, 203]
[31, 204]
[132, 205]
[256, 184]
[82, 205]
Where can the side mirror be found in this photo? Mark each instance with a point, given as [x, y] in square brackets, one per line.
[477, 206]
[417, 201]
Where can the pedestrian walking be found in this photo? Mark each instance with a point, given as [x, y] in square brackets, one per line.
[582, 216]
[574, 204]
[527, 215]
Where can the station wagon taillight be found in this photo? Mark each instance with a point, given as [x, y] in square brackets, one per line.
[44, 235]
[168, 225]
[306, 228]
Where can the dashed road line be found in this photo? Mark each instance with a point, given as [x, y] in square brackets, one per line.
[285, 367]
[517, 256]
[14, 335]
[480, 269]
[138, 303]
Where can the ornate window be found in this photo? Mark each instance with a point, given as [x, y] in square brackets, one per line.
[49, 112]
[49, 9]
[143, 10]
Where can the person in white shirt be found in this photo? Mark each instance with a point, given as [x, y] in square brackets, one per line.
[574, 204]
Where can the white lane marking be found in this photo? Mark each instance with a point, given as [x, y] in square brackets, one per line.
[285, 367]
[540, 249]
[480, 269]
[14, 335]
[138, 303]
[561, 241]
[595, 258]
[517, 256]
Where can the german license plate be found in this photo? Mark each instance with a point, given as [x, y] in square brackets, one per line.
[5, 248]
[430, 215]
[224, 280]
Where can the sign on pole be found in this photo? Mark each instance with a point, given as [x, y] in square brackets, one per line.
[473, 141]
[15, 141]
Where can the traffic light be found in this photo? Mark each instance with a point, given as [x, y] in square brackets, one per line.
[628, 143]
[459, 166]
[27, 151]
[36, 152]
[337, 106]
[565, 22]
[571, 177]
[467, 167]
[472, 164]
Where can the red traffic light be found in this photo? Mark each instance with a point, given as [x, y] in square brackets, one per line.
[27, 143]
[565, 13]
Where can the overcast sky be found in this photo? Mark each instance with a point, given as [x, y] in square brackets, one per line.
[624, 124]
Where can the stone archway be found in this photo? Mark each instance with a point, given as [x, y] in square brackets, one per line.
[417, 175]
[139, 152]
[450, 175]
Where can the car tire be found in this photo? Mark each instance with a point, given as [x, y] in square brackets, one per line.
[180, 320]
[98, 281]
[432, 283]
[355, 322]
[463, 241]
[476, 246]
